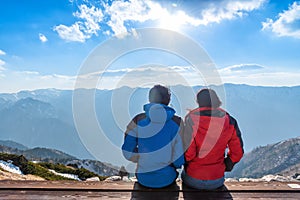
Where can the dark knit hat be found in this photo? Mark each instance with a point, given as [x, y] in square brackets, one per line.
[208, 98]
[159, 94]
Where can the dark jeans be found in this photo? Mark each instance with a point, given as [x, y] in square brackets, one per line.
[201, 184]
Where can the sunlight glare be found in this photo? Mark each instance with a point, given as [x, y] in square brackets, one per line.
[171, 21]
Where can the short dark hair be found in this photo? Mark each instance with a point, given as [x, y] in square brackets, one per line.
[208, 98]
[159, 94]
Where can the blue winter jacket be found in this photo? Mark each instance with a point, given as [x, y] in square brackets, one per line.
[153, 141]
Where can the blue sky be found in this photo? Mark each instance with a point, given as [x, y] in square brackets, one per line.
[44, 43]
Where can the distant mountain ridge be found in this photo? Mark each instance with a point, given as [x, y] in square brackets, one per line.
[35, 154]
[12, 144]
[36, 123]
[279, 158]
[44, 118]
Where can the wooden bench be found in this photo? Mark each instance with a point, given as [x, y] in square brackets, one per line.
[132, 190]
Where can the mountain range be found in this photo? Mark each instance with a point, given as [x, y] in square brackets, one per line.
[281, 158]
[44, 118]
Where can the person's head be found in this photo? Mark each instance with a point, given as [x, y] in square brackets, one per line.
[208, 98]
[159, 94]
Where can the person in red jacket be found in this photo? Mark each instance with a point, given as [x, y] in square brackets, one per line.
[208, 132]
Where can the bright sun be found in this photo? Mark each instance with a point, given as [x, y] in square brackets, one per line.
[172, 22]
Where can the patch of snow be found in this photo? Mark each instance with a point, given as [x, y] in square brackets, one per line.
[231, 180]
[10, 167]
[126, 179]
[93, 179]
[133, 179]
[113, 178]
[294, 186]
[271, 177]
[249, 180]
[267, 178]
[71, 176]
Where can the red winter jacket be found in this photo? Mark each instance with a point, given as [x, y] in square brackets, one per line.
[210, 132]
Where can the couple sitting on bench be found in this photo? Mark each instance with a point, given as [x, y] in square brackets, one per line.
[161, 142]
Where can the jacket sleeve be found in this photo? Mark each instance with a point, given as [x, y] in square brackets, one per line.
[189, 142]
[235, 146]
[178, 153]
[130, 145]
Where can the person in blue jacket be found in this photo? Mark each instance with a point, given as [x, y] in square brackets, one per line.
[153, 141]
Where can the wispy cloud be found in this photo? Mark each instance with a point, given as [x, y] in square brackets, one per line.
[142, 76]
[242, 68]
[252, 74]
[2, 53]
[31, 80]
[287, 22]
[2, 63]
[255, 74]
[42, 37]
[119, 16]
[264, 79]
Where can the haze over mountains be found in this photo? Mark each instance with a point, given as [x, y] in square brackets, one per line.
[44, 118]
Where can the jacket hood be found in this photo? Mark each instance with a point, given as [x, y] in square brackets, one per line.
[209, 118]
[158, 113]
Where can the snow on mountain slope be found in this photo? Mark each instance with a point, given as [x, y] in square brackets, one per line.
[7, 166]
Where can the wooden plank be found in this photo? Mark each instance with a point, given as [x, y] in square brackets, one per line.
[124, 186]
[130, 190]
[141, 195]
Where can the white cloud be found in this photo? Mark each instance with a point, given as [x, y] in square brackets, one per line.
[287, 22]
[92, 17]
[142, 10]
[121, 15]
[122, 11]
[2, 53]
[42, 37]
[71, 33]
[229, 9]
[84, 29]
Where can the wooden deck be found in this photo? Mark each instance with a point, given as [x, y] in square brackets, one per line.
[129, 190]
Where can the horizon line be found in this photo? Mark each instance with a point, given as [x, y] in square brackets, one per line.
[147, 87]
